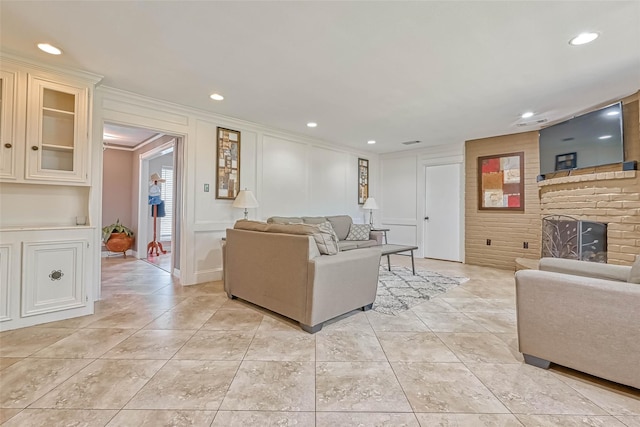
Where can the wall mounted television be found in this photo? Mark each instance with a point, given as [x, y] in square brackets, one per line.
[591, 139]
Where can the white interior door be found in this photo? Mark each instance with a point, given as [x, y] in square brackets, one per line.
[442, 212]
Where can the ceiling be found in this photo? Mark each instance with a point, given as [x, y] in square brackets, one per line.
[438, 72]
[118, 136]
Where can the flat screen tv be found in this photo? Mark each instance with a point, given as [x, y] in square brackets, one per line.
[592, 139]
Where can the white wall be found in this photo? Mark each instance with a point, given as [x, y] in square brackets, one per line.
[289, 174]
[402, 191]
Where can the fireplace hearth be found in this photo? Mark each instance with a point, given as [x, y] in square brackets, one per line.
[571, 238]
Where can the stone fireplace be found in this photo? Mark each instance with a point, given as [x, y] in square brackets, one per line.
[593, 200]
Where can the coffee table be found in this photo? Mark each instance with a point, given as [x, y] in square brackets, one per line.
[388, 250]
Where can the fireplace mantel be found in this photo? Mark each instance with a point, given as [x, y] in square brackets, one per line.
[600, 176]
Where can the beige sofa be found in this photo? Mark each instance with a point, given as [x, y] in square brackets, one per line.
[582, 315]
[341, 225]
[279, 267]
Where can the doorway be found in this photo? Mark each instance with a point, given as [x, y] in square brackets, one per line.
[131, 156]
[156, 223]
[442, 223]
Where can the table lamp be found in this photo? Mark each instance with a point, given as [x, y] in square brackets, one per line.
[246, 200]
[370, 204]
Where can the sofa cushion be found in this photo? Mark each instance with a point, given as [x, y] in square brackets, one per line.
[634, 273]
[367, 243]
[314, 219]
[247, 224]
[285, 220]
[341, 225]
[325, 240]
[359, 232]
[347, 245]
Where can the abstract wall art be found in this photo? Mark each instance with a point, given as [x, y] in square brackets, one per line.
[501, 182]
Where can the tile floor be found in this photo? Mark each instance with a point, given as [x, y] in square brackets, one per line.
[157, 354]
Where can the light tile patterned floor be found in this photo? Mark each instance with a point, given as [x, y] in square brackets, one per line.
[158, 354]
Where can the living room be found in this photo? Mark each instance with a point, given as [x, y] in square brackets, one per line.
[293, 171]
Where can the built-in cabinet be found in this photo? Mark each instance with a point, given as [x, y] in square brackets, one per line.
[47, 263]
[44, 275]
[7, 125]
[5, 281]
[44, 125]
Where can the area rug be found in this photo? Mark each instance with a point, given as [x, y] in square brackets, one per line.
[399, 289]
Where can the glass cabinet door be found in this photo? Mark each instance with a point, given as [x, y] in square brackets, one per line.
[56, 131]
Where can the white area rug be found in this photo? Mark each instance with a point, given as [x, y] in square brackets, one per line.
[399, 289]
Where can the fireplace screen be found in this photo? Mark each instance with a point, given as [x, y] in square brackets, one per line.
[567, 237]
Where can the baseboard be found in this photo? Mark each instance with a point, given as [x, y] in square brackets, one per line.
[212, 275]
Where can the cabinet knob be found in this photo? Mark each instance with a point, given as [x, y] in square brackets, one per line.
[7, 145]
[34, 147]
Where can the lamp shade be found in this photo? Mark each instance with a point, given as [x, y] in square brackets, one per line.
[245, 199]
[370, 204]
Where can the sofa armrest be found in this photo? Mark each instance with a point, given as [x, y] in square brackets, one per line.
[377, 236]
[587, 324]
[341, 283]
[596, 270]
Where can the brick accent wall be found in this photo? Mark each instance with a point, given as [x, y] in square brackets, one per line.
[611, 197]
[506, 230]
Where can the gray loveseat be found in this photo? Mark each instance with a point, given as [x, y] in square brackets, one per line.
[341, 225]
[582, 315]
[280, 267]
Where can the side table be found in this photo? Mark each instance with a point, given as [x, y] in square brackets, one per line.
[384, 231]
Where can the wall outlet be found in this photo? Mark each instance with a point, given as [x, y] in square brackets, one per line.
[206, 188]
[488, 242]
[525, 245]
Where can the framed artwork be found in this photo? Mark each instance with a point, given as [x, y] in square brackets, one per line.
[228, 164]
[566, 161]
[501, 182]
[363, 181]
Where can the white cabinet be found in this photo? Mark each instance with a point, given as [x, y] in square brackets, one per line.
[6, 270]
[45, 275]
[52, 276]
[56, 140]
[7, 125]
[44, 124]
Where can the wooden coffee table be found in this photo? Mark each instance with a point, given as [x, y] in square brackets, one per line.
[389, 250]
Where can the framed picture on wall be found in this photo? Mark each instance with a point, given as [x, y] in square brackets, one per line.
[566, 161]
[227, 163]
[363, 181]
[501, 182]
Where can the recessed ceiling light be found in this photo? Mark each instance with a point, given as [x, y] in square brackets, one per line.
[604, 137]
[312, 124]
[583, 38]
[527, 115]
[46, 47]
[216, 97]
[371, 142]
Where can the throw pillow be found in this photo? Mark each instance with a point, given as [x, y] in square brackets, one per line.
[634, 274]
[327, 227]
[327, 243]
[359, 232]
